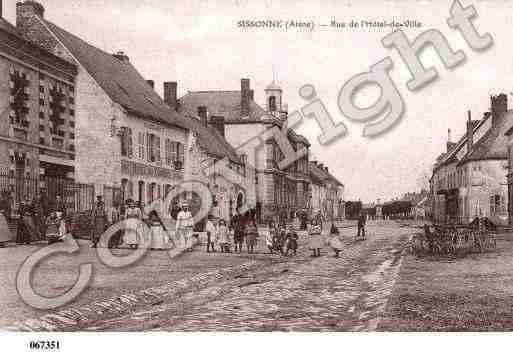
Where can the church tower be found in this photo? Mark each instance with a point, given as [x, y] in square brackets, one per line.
[274, 101]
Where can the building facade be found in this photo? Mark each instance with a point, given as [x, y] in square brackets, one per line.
[38, 126]
[240, 120]
[127, 137]
[327, 193]
[469, 180]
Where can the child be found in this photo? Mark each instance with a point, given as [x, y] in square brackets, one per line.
[222, 233]
[211, 234]
[251, 236]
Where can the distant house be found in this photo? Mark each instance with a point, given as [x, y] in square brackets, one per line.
[469, 179]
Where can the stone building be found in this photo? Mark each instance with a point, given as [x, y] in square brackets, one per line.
[38, 125]
[327, 193]
[240, 120]
[469, 179]
[127, 137]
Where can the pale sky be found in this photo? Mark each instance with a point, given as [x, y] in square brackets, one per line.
[198, 44]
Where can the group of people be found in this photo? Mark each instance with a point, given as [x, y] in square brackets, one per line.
[147, 227]
[244, 230]
[33, 215]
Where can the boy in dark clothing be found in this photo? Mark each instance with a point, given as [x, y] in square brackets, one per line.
[361, 225]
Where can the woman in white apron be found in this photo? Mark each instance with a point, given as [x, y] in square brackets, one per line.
[133, 236]
[184, 225]
[315, 244]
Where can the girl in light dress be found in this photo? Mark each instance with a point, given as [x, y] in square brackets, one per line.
[223, 239]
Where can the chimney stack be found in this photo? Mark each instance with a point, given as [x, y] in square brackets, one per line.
[499, 106]
[121, 56]
[218, 123]
[203, 114]
[450, 144]
[151, 83]
[470, 132]
[170, 94]
[245, 96]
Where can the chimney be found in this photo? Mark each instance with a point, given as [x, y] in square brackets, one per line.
[1, 9]
[245, 96]
[151, 83]
[218, 123]
[203, 114]
[120, 55]
[27, 9]
[326, 168]
[450, 144]
[499, 106]
[170, 94]
[470, 133]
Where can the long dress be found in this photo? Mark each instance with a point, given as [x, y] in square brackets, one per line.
[26, 229]
[315, 236]
[159, 237]
[251, 235]
[184, 226]
[133, 236]
[222, 234]
[99, 222]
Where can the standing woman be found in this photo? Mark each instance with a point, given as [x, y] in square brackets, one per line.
[98, 221]
[251, 235]
[26, 229]
[238, 231]
[315, 236]
[184, 224]
[131, 236]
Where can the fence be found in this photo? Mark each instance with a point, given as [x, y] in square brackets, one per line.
[78, 197]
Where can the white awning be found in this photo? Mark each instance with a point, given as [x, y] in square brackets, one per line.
[56, 160]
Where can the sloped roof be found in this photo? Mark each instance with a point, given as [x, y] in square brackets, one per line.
[494, 143]
[120, 80]
[125, 86]
[7, 26]
[227, 104]
[450, 156]
[334, 179]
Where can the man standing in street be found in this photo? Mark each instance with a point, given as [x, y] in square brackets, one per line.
[361, 224]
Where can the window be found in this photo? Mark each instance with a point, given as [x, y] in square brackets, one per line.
[141, 145]
[272, 104]
[126, 142]
[177, 155]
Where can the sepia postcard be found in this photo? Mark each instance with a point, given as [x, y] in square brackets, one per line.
[191, 168]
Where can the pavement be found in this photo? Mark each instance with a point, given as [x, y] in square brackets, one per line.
[200, 291]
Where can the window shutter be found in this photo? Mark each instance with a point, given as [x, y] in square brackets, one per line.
[123, 141]
[157, 149]
[181, 157]
[174, 152]
[130, 143]
[148, 146]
